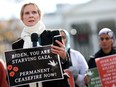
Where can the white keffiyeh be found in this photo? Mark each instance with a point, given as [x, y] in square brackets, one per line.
[108, 32]
[27, 31]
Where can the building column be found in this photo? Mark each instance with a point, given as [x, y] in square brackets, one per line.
[94, 38]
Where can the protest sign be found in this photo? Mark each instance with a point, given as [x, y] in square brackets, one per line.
[107, 70]
[94, 79]
[32, 65]
[70, 78]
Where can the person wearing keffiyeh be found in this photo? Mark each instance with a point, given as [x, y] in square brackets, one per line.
[106, 41]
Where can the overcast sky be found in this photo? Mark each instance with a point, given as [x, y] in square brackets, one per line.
[10, 9]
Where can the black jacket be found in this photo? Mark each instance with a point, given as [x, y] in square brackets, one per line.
[45, 39]
[100, 53]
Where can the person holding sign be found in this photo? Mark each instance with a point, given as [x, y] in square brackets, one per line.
[3, 78]
[78, 63]
[35, 34]
[106, 41]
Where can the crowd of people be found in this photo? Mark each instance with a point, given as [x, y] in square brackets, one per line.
[70, 59]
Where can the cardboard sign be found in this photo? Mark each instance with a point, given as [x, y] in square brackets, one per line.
[107, 70]
[32, 65]
[94, 79]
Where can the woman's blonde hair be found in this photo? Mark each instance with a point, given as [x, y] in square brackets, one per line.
[22, 10]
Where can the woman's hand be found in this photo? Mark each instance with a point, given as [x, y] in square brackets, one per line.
[60, 50]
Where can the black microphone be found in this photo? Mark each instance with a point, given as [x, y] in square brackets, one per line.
[34, 39]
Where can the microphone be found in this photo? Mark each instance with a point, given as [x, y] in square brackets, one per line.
[34, 39]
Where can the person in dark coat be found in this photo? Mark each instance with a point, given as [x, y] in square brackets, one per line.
[106, 41]
[31, 17]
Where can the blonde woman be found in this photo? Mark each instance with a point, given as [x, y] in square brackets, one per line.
[31, 18]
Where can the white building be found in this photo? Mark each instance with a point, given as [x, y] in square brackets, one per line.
[87, 19]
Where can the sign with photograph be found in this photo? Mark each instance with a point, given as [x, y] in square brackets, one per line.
[107, 70]
[94, 79]
[32, 65]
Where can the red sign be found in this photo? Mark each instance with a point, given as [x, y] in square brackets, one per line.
[70, 78]
[107, 70]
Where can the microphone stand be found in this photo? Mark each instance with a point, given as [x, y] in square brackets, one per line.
[37, 84]
[34, 39]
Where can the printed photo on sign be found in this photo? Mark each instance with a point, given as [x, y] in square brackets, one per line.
[32, 65]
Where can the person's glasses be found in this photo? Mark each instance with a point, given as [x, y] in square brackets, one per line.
[107, 38]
